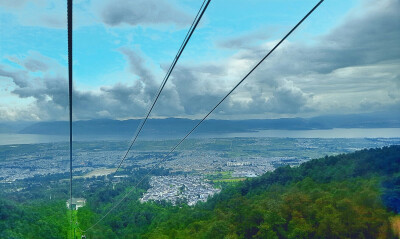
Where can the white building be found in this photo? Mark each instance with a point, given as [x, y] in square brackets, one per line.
[76, 203]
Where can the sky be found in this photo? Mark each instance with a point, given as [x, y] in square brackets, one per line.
[344, 59]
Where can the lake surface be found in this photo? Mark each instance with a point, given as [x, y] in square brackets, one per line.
[328, 133]
[6, 139]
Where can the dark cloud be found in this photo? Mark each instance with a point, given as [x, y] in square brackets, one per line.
[288, 98]
[245, 40]
[197, 91]
[36, 62]
[348, 63]
[49, 92]
[137, 66]
[51, 14]
[19, 77]
[357, 59]
[141, 12]
[366, 38]
[35, 65]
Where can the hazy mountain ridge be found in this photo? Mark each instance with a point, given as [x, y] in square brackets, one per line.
[182, 125]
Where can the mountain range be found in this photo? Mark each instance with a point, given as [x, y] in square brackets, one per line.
[170, 126]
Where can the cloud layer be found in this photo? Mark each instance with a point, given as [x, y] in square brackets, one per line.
[354, 68]
[52, 14]
[140, 12]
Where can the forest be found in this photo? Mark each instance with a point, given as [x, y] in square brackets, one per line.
[355, 195]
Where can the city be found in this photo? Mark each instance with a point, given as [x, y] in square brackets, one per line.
[204, 163]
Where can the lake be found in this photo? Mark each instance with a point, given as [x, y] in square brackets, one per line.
[6, 139]
[328, 133]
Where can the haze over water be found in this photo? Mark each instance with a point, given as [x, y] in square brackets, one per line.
[6, 139]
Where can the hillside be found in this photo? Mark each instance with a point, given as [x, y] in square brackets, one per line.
[353, 195]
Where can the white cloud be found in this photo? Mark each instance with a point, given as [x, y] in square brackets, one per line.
[53, 14]
[354, 68]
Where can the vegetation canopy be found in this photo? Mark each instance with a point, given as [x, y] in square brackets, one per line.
[354, 195]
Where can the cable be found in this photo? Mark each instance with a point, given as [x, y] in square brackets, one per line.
[197, 125]
[69, 16]
[183, 45]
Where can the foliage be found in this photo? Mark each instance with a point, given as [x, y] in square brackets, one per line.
[33, 221]
[306, 209]
[353, 195]
[332, 197]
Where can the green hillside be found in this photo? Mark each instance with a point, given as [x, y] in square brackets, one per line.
[353, 195]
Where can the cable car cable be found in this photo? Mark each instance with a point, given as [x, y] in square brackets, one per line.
[69, 20]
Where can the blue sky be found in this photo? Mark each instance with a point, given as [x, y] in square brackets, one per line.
[122, 47]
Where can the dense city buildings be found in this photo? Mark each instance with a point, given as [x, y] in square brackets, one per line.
[192, 171]
[188, 189]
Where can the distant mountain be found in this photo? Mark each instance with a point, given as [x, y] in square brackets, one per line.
[174, 126]
[13, 127]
